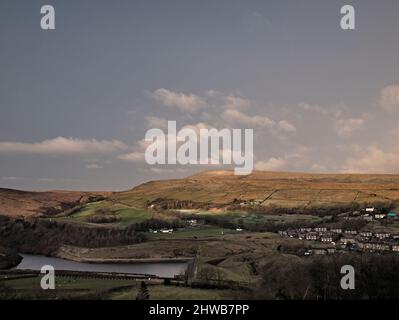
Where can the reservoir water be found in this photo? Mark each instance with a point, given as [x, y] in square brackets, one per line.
[160, 269]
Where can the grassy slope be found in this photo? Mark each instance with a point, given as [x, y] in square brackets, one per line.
[217, 187]
[125, 214]
[29, 203]
[78, 287]
[273, 189]
[160, 292]
[282, 189]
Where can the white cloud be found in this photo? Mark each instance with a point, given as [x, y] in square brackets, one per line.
[273, 164]
[155, 122]
[286, 126]
[232, 116]
[198, 126]
[334, 111]
[313, 108]
[63, 146]
[212, 93]
[346, 127]
[373, 160]
[295, 160]
[138, 153]
[185, 102]
[137, 156]
[389, 98]
[235, 116]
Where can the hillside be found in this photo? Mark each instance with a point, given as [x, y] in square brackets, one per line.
[234, 233]
[269, 189]
[27, 203]
[215, 188]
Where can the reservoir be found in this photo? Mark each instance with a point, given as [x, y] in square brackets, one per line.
[160, 269]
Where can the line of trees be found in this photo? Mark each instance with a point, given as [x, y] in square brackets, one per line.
[43, 236]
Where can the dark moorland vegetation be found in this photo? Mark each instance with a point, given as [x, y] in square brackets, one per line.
[377, 277]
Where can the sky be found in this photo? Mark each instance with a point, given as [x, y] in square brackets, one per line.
[77, 101]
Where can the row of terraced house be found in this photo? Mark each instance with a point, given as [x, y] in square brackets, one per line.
[347, 239]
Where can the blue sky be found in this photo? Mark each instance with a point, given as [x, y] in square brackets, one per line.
[76, 102]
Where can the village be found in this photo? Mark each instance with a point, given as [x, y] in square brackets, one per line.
[338, 239]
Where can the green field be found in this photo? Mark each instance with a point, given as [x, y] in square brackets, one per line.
[231, 220]
[67, 283]
[159, 292]
[125, 215]
[73, 288]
